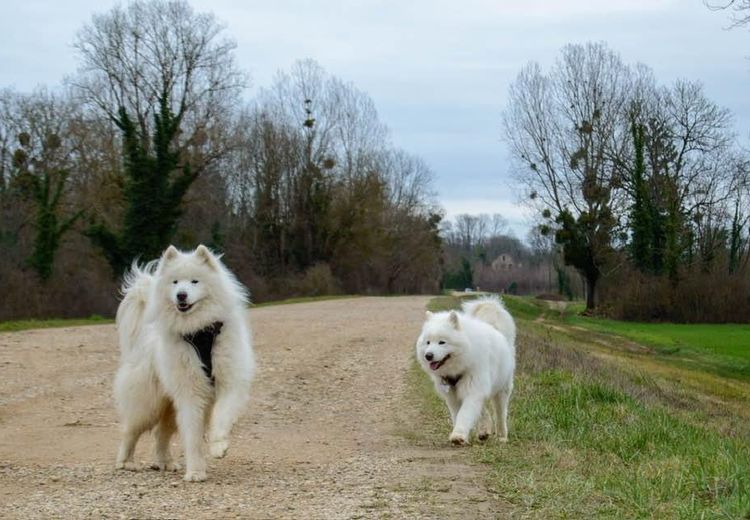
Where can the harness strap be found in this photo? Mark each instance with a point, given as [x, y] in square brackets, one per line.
[203, 342]
[452, 380]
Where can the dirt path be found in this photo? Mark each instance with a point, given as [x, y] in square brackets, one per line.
[323, 438]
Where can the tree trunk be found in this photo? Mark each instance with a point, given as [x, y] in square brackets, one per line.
[591, 281]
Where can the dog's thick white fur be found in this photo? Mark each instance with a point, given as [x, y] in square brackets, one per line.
[160, 382]
[470, 356]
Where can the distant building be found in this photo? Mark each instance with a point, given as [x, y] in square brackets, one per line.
[505, 262]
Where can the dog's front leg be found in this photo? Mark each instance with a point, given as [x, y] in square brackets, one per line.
[191, 421]
[468, 414]
[229, 403]
[451, 399]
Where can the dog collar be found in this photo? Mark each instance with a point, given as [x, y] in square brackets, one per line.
[203, 342]
[452, 380]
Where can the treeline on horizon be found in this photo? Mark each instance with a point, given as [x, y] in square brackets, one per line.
[641, 189]
[150, 143]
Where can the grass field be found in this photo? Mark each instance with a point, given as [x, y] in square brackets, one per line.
[593, 438]
[14, 326]
[722, 348]
[732, 341]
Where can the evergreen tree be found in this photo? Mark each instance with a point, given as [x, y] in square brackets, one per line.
[156, 180]
[460, 279]
[641, 225]
[735, 238]
[46, 184]
[677, 238]
[49, 229]
[577, 236]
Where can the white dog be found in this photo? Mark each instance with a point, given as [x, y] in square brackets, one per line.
[186, 357]
[470, 356]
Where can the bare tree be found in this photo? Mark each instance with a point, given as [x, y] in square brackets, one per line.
[359, 135]
[739, 8]
[319, 181]
[408, 180]
[339, 122]
[559, 128]
[134, 56]
[468, 232]
[466, 228]
[498, 225]
[738, 211]
[700, 131]
[302, 101]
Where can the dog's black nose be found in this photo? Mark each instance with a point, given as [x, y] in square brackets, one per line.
[429, 356]
[181, 296]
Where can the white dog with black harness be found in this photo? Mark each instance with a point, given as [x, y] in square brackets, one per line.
[470, 356]
[186, 357]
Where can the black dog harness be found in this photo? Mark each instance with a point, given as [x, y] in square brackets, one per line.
[452, 381]
[203, 342]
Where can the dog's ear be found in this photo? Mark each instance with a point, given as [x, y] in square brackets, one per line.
[206, 255]
[427, 315]
[453, 317]
[171, 253]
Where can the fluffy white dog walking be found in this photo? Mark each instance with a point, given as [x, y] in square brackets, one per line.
[470, 356]
[186, 357]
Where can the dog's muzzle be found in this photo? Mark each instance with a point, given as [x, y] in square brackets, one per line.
[434, 365]
[184, 306]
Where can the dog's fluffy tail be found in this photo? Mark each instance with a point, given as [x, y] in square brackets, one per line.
[491, 309]
[136, 286]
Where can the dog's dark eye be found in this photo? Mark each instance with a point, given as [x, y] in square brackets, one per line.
[441, 342]
[193, 281]
[175, 282]
[428, 342]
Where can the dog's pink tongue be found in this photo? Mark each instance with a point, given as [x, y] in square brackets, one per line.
[434, 365]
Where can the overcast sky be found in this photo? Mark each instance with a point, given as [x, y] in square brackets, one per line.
[437, 70]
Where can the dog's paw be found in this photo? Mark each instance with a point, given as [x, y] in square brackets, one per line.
[483, 436]
[458, 439]
[502, 439]
[194, 476]
[165, 466]
[218, 448]
[127, 466]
